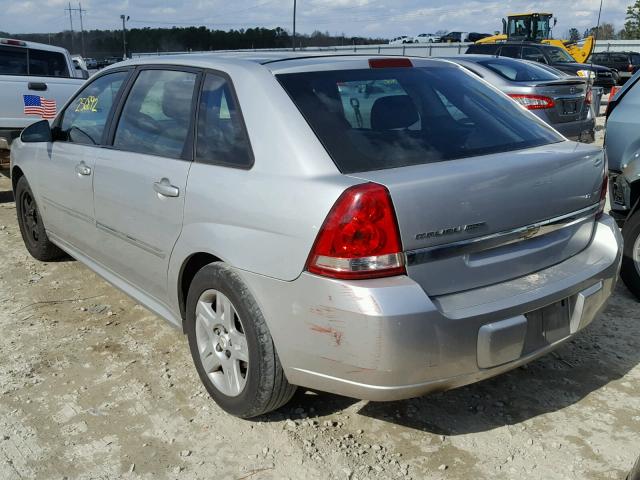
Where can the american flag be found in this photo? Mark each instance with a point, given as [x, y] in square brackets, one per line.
[36, 105]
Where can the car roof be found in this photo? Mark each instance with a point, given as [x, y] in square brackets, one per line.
[274, 61]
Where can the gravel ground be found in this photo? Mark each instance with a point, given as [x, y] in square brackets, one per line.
[94, 386]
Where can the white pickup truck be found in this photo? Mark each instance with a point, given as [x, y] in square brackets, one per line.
[36, 80]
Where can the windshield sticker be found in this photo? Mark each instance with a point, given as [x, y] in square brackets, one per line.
[87, 104]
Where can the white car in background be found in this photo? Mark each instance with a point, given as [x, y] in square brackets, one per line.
[400, 40]
[426, 38]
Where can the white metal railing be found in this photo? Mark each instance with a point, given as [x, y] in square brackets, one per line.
[416, 50]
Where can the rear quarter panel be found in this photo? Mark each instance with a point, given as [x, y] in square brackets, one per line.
[265, 219]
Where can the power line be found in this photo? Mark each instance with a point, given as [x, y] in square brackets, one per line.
[81, 12]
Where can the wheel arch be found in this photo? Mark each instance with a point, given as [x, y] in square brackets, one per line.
[188, 270]
[16, 174]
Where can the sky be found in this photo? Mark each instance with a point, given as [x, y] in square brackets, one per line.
[374, 18]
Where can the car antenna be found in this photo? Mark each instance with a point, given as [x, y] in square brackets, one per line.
[595, 42]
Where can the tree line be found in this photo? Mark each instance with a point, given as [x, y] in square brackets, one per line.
[106, 43]
[607, 31]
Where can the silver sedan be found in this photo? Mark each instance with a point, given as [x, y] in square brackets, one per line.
[374, 227]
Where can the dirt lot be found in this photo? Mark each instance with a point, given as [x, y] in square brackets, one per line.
[94, 386]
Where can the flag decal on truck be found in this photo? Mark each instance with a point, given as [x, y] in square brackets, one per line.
[37, 105]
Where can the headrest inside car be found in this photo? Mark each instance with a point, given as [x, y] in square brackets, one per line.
[393, 112]
[176, 99]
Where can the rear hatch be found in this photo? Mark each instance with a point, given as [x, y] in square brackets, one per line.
[473, 222]
[483, 190]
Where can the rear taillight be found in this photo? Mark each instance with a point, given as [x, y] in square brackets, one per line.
[588, 97]
[630, 68]
[359, 238]
[533, 102]
[603, 190]
[613, 92]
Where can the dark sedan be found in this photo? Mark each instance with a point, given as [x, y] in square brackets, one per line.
[549, 55]
[563, 101]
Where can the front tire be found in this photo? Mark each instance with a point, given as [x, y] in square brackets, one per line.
[231, 345]
[630, 272]
[32, 229]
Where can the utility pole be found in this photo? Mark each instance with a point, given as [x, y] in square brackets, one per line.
[124, 35]
[81, 12]
[294, 25]
[71, 23]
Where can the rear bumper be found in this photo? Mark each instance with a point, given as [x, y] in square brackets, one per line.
[386, 339]
[581, 130]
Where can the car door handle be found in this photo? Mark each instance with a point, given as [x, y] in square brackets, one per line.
[39, 86]
[164, 188]
[83, 169]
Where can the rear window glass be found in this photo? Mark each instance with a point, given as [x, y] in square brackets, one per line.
[47, 64]
[635, 58]
[518, 71]
[13, 61]
[374, 119]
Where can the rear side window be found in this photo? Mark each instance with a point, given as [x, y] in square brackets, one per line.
[156, 118]
[487, 49]
[620, 58]
[85, 118]
[221, 138]
[518, 71]
[635, 59]
[43, 63]
[373, 119]
[510, 51]
[13, 61]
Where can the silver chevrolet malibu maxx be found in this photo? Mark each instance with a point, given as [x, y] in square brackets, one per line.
[374, 227]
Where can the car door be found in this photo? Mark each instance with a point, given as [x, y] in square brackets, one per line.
[139, 184]
[66, 179]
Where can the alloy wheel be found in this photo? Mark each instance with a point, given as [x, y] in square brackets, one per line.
[222, 344]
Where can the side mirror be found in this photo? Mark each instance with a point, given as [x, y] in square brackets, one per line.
[37, 132]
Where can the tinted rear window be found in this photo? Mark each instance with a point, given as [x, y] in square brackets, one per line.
[518, 71]
[635, 58]
[13, 61]
[38, 63]
[374, 119]
[43, 63]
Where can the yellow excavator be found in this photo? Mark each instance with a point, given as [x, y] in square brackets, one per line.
[536, 27]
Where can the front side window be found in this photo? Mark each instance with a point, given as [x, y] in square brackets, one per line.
[43, 63]
[559, 55]
[221, 137]
[13, 61]
[533, 54]
[373, 119]
[85, 118]
[156, 118]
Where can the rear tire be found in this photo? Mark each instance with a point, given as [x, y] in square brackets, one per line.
[231, 345]
[630, 272]
[32, 229]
